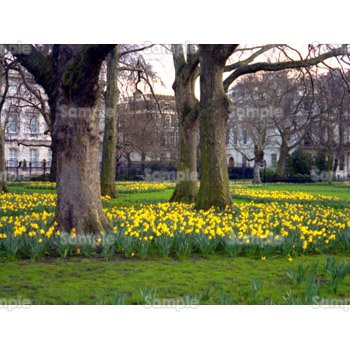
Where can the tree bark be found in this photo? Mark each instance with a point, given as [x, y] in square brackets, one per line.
[259, 158]
[186, 188]
[53, 167]
[78, 183]
[3, 182]
[214, 108]
[187, 108]
[71, 83]
[282, 161]
[109, 147]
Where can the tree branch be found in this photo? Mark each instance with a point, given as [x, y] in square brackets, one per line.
[272, 67]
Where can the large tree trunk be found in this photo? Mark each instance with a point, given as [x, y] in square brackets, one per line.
[186, 187]
[53, 168]
[187, 107]
[70, 79]
[76, 131]
[3, 182]
[108, 170]
[259, 158]
[79, 203]
[282, 161]
[214, 106]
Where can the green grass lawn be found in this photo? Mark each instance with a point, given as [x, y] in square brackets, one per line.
[215, 280]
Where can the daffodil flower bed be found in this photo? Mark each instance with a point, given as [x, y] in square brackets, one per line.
[286, 196]
[142, 186]
[264, 230]
[121, 186]
[43, 185]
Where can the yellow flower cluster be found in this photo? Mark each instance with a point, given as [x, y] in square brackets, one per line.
[35, 224]
[123, 186]
[143, 186]
[280, 195]
[13, 202]
[311, 226]
[245, 222]
[37, 184]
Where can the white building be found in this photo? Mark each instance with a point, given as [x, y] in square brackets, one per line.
[27, 143]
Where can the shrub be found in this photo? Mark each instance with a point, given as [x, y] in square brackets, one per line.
[299, 163]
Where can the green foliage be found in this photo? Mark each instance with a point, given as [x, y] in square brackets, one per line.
[126, 244]
[115, 299]
[142, 247]
[233, 247]
[323, 161]
[148, 295]
[11, 247]
[255, 290]
[38, 246]
[65, 245]
[88, 245]
[299, 163]
[336, 272]
[164, 243]
[183, 245]
[206, 244]
[108, 246]
[301, 274]
[312, 287]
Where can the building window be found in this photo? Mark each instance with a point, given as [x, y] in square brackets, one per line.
[274, 160]
[167, 121]
[244, 160]
[231, 162]
[13, 156]
[341, 162]
[33, 156]
[34, 125]
[171, 140]
[227, 136]
[245, 136]
[12, 124]
[235, 137]
[49, 154]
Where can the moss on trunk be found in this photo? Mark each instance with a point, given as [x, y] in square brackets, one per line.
[108, 170]
[186, 69]
[214, 188]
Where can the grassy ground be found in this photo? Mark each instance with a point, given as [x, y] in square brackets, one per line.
[216, 280]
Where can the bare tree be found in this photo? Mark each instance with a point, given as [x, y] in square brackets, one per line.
[69, 77]
[3, 92]
[108, 170]
[252, 116]
[328, 134]
[186, 73]
[214, 108]
[280, 106]
[144, 130]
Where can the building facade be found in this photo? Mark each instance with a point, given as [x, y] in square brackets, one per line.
[148, 135]
[27, 142]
